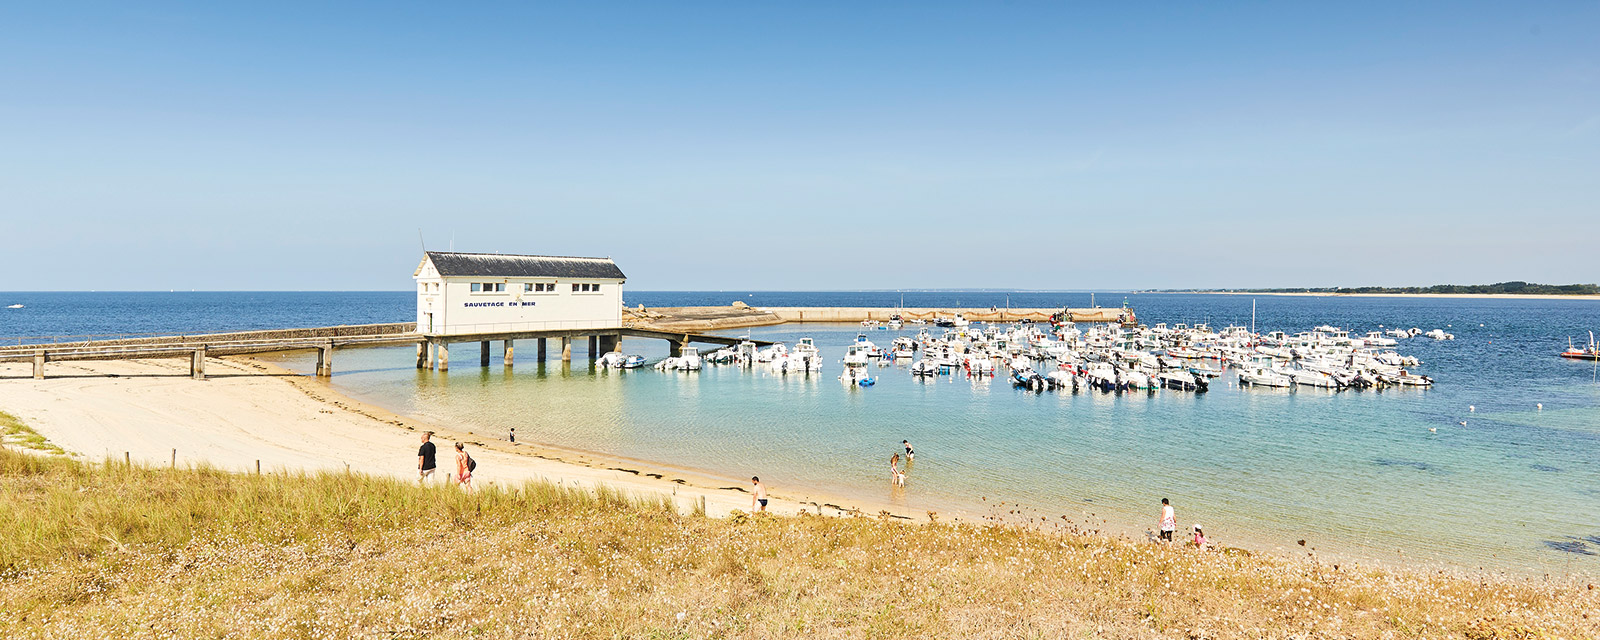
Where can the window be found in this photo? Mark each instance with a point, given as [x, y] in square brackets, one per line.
[540, 287]
[585, 288]
[488, 287]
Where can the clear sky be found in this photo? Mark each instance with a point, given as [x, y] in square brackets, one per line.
[802, 145]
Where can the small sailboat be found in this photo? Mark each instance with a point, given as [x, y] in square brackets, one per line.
[14, 306]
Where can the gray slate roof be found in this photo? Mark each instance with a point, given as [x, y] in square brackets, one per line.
[509, 266]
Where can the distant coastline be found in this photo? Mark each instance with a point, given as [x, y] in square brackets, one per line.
[1330, 294]
[1511, 289]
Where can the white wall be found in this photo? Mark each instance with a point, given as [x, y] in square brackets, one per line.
[458, 310]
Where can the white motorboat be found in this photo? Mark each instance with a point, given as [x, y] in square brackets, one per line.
[1138, 380]
[903, 347]
[691, 359]
[1377, 339]
[1182, 381]
[871, 350]
[805, 356]
[895, 322]
[671, 363]
[856, 356]
[1185, 353]
[14, 306]
[773, 353]
[1264, 377]
[1407, 379]
[1314, 378]
[1062, 379]
[857, 375]
[1439, 334]
[924, 368]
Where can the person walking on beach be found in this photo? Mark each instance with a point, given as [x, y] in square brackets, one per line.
[425, 455]
[1169, 521]
[513, 436]
[758, 495]
[909, 453]
[464, 466]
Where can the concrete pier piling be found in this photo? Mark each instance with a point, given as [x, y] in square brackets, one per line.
[325, 360]
[541, 355]
[422, 355]
[566, 349]
[197, 363]
[444, 356]
[594, 347]
[510, 348]
[483, 353]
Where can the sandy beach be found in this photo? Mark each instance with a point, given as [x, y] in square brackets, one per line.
[249, 411]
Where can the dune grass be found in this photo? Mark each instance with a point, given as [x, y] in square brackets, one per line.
[14, 432]
[111, 550]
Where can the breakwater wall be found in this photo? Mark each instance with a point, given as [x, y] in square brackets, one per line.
[737, 317]
[883, 314]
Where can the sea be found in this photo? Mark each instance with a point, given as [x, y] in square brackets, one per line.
[1494, 469]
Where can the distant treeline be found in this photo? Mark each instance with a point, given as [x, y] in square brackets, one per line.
[1514, 287]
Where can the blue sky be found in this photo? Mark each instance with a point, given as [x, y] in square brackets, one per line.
[293, 146]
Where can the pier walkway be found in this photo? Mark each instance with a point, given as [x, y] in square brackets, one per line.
[432, 350]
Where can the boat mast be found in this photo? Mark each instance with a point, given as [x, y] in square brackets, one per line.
[1252, 316]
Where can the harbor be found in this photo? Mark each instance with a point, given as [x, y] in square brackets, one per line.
[1393, 408]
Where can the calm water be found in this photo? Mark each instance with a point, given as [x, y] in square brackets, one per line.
[1359, 473]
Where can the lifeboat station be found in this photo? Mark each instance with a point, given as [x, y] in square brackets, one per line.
[491, 297]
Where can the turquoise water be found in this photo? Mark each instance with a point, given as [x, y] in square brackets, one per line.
[1356, 474]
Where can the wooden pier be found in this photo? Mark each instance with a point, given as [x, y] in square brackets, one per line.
[679, 326]
[433, 351]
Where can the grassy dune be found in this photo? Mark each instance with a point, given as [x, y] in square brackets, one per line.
[105, 550]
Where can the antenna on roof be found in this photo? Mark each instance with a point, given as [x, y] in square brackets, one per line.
[419, 239]
[452, 240]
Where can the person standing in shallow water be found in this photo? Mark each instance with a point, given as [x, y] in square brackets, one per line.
[425, 458]
[464, 465]
[1169, 521]
[758, 495]
[909, 453]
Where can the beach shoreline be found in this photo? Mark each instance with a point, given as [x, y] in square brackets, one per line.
[252, 410]
[252, 414]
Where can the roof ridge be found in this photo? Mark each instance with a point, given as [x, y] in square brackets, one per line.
[517, 255]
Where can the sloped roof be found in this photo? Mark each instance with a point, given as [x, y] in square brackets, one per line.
[508, 266]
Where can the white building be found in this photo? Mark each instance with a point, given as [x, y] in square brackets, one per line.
[468, 293]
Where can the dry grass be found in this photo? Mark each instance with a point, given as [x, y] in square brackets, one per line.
[112, 551]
